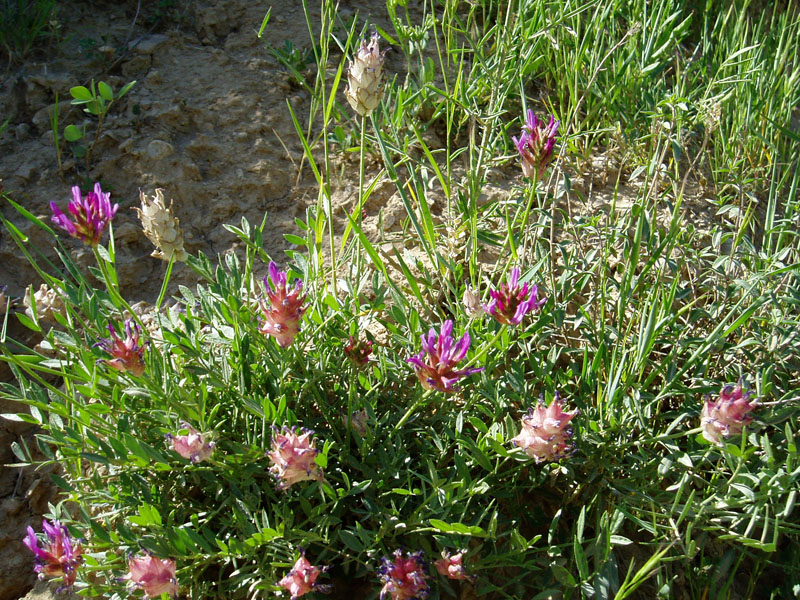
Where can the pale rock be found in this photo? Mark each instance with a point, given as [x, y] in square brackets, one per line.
[159, 149]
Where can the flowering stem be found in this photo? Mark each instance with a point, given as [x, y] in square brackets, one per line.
[528, 206]
[111, 286]
[359, 204]
[349, 416]
[412, 409]
[166, 281]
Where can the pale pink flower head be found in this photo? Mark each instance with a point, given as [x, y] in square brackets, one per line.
[727, 415]
[91, 215]
[358, 351]
[546, 433]
[512, 301]
[436, 364]
[284, 309]
[404, 577]
[292, 457]
[451, 566]
[127, 352]
[535, 145]
[59, 556]
[193, 445]
[155, 576]
[302, 579]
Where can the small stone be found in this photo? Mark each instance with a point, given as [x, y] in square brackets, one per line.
[159, 149]
[26, 172]
[22, 132]
[148, 44]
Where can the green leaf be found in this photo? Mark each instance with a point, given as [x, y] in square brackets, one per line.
[81, 94]
[105, 91]
[351, 540]
[126, 88]
[294, 239]
[72, 133]
[264, 23]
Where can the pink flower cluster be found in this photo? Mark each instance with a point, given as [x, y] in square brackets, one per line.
[193, 445]
[302, 579]
[535, 145]
[546, 433]
[728, 414]
[404, 577]
[58, 556]
[451, 566]
[284, 309]
[436, 364]
[127, 352]
[91, 215]
[292, 457]
[358, 351]
[155, 576]
[512, 302]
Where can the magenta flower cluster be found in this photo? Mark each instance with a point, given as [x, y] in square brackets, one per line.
[404, 576]
[90, 214]
[535, 145]
[512, 301]
[58, 556]
[436, 364]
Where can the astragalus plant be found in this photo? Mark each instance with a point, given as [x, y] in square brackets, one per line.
[515, 391]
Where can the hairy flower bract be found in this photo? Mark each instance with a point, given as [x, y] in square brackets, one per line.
[535, 145]
[192, 445]
[728, 414]
[127, 352]
[155, 576]
[302, 579]
[364, 77]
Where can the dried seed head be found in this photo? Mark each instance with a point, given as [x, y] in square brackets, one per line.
[48, 303]
[364, 77]
[161, 227]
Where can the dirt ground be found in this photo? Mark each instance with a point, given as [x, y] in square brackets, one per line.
[207, 121]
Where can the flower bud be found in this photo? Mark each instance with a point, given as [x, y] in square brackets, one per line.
[161, 227]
